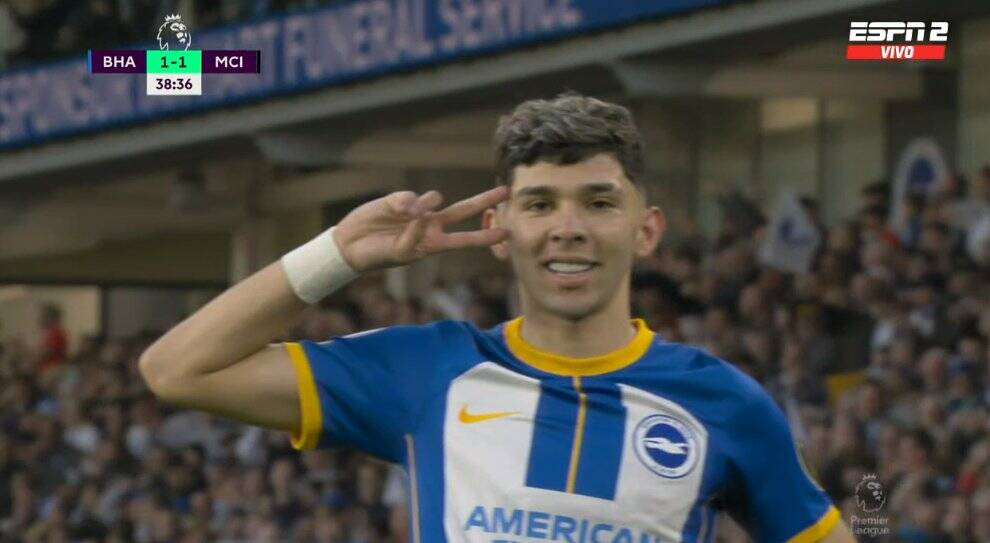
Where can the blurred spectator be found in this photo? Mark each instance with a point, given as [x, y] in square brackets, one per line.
[54, 342]
[796, 383]
[914, 204]
[876, 193]
[93, 24]
[11, 34]
[39, 21]
[951, 189]
[3, 346]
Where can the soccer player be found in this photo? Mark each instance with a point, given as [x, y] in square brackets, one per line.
[572, 422]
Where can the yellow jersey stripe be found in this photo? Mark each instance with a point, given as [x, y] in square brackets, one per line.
[818, 530]
[413, 487]
[311, 415]
[578, 436]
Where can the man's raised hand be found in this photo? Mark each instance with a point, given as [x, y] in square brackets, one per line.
[403, 227]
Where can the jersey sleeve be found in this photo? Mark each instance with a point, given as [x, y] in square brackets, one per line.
[365, 390]
[774, 498]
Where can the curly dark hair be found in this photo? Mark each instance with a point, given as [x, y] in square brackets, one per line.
[566, 130]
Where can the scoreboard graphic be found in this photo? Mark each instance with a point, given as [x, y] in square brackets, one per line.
[174, 69]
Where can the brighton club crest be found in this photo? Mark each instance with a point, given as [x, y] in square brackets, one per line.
[666, 445]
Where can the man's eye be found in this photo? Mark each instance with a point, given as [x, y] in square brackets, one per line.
[602, 204]
[538, 205]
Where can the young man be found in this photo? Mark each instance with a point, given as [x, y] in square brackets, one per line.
[571, 423]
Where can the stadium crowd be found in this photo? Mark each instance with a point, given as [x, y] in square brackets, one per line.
[880, 357]
[39, 30]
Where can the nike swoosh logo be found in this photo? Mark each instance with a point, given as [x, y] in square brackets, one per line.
[471, 418]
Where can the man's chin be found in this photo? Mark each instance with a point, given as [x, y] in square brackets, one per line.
[578, 306]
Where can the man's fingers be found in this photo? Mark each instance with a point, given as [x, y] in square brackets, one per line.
[419, 210]
[411, 236]
[400, 202]
[472, 206]
[475, 238]
[407, 202]
[425, 203]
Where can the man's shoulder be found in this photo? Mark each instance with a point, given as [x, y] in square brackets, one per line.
[403, 334]
[440, 340]
[695, 372]
[697, 362]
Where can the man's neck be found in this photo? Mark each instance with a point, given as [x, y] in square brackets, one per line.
[594, 335]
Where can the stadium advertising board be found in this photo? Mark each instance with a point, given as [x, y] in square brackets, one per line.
[305, 50]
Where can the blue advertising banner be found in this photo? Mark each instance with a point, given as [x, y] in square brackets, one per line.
[306, 50]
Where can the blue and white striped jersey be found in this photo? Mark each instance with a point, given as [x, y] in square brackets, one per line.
[506, 443]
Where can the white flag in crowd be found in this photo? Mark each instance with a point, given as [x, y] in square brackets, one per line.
[792, 239]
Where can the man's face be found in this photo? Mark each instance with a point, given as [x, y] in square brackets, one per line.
[574, 232]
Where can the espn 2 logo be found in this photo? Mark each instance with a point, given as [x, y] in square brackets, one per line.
[897, 40]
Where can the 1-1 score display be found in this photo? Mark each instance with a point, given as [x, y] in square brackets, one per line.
[174, 73]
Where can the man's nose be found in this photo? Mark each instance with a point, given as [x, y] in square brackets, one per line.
[569, 226]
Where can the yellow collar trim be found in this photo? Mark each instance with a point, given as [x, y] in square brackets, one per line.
[565, 365]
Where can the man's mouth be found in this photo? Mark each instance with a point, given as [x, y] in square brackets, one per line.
[570, 268]
[570, 273]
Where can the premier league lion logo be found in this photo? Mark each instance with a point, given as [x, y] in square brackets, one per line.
[870, 496]
[174, 34]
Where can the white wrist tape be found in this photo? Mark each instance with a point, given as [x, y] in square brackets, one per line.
[316, 268]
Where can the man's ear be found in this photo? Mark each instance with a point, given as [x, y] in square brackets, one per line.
[650, 231]
[490, 219]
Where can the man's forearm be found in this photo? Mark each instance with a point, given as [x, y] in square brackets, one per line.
[242, 320]
[232, 326]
